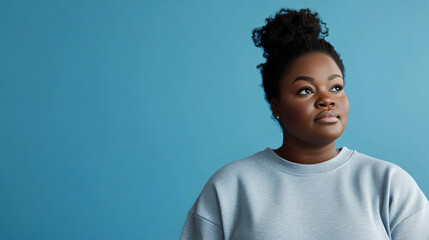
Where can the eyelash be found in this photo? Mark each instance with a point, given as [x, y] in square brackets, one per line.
[339, 86]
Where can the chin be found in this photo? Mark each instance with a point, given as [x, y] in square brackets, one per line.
[317, 140]
[328, 134]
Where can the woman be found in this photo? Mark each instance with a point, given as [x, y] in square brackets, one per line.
[307, 188]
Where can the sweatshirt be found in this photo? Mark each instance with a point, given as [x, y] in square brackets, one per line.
[351, 196]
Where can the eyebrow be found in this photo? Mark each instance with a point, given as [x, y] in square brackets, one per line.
[307, 78]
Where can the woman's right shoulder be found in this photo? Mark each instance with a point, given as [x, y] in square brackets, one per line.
[241, 168]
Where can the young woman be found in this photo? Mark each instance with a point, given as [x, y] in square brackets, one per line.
[307, 188]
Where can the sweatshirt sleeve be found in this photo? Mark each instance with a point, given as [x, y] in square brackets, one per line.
[414, 227]
[204, 220]
[408, 208]
[200, 228]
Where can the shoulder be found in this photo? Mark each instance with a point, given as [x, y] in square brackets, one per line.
[401, 193]
[382, 168]
[396, 178]
[371, 161]
[224, 186]
[240, 168]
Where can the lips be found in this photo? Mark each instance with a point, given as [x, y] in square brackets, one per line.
[326, 114]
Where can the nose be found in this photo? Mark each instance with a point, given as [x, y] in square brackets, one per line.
[325, 101]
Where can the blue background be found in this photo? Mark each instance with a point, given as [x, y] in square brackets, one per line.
[114, 114]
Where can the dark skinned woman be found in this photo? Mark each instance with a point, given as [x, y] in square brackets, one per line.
[307, 189]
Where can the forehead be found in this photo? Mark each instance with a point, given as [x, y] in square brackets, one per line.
[317, 65]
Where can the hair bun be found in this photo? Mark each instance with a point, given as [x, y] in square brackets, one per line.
[287, 28]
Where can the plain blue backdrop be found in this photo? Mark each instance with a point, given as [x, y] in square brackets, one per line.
[114, 114]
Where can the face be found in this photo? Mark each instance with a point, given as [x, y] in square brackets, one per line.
[313, 84]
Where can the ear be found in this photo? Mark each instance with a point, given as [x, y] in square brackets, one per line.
[274, 106]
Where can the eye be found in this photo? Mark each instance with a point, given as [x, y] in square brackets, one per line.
[304, 90]
[338, 87]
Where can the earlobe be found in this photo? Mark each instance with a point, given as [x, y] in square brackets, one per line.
[274, 104]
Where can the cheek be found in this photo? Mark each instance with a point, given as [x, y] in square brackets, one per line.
[344, 107]
[297, 113]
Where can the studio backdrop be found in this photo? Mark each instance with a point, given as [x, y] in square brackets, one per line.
[114, 114]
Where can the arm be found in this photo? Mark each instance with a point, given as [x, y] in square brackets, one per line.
[199, 228]
[414, 227]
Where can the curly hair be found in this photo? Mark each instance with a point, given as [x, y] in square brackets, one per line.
[284, 38]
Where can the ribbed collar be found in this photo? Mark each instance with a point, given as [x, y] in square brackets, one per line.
[341, 158]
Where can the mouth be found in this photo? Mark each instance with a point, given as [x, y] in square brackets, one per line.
[327, 120]
[328, 116]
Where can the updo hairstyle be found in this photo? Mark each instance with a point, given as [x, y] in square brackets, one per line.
[284, 38]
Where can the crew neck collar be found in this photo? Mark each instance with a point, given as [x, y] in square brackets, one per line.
[341, 158]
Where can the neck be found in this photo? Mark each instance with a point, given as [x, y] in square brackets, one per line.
[306, 153]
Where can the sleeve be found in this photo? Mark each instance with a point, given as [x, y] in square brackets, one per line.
[200, 228]
[204, 220]
[408, 208]
[414, 227]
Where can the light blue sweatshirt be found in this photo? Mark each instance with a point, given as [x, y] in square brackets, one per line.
[349, 197]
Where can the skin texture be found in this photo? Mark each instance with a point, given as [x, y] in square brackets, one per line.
[304, 140]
